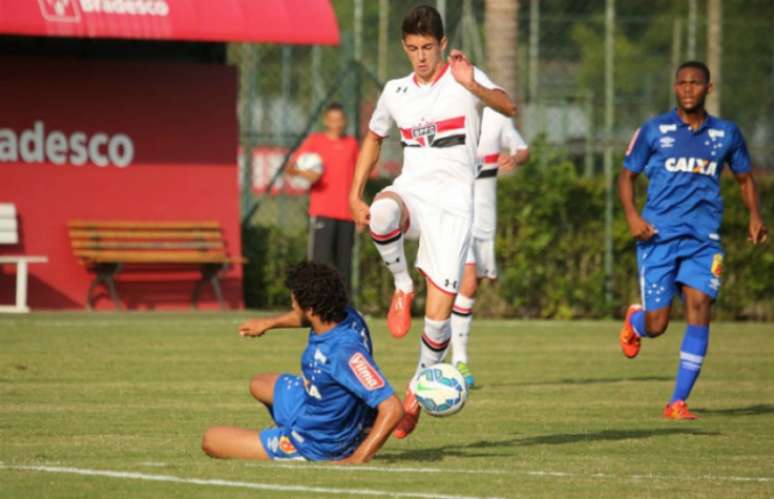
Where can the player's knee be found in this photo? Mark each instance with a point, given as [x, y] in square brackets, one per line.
[257, 388]
[208, 442]
[385, 216]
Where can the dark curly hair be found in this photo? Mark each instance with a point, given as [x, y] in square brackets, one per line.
[423, 20]
[319, 287]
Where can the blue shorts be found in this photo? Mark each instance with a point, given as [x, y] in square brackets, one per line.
[288, 399]
[666, 266]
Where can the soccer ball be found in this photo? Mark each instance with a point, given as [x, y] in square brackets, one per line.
[307, 162]
[440, 389]
[310, 162]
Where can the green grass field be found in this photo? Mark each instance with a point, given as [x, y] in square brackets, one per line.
[103, 405]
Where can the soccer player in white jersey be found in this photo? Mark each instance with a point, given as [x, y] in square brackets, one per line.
[437, 110]
[497, 134]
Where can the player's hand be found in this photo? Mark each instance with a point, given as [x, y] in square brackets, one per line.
[361, 214]
[506, 164]
[461, 68]
[639, 228]
[757, 232]
[255, 327]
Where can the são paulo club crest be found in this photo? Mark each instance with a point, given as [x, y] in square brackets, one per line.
[424, 133]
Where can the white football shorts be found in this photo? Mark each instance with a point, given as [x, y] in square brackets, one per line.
[481, 253]
[443, 236]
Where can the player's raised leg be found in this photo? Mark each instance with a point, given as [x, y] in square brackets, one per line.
[388, 214]
[462, 316]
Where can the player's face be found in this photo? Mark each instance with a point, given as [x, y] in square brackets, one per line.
[691, 89]
[298, 310]
[425, 54]
[335, 121]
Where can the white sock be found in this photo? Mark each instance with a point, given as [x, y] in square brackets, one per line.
[462, 316]
[434, 342]
[388, 238]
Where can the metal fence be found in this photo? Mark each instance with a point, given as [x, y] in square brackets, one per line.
[565, 95]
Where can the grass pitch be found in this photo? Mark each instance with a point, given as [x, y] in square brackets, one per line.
[98, 405]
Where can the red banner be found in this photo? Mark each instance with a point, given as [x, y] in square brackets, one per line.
[257, 21]
[106, 140]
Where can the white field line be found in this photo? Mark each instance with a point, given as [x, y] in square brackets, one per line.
[387, 469]
[128, 475]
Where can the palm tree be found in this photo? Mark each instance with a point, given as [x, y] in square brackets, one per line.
[501, 28]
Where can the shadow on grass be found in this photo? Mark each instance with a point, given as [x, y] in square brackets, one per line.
[488, 448]
[585, 381]
[750, 410]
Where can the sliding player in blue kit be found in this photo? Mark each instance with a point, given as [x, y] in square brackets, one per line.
[341, 408]
[678, 241]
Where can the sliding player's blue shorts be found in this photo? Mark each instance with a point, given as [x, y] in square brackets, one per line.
[665, 266]
[288, 399]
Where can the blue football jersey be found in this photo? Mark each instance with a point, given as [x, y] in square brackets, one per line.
[683, 167]
[343, 387]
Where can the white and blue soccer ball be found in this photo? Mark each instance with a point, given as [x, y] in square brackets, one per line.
[310, 162]
[440, 389]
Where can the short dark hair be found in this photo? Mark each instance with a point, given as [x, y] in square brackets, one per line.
[423, 20]
[334, 106]
[318, 287]
[695, 65]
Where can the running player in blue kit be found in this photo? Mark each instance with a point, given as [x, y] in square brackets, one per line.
[341, 408]
[682, 153]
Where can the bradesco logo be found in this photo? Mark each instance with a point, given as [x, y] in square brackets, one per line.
[70, 10]
[37, 145]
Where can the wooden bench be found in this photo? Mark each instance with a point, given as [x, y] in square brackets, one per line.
[9, 234]
[106, 247]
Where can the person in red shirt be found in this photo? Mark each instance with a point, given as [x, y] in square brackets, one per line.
[331, 229]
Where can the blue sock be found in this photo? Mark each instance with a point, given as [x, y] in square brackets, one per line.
[638, 323]
[692, 353]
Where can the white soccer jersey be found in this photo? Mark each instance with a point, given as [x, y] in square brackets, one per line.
[497, 133]
[439, 128]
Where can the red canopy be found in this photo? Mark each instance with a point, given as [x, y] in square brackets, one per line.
[260, 21]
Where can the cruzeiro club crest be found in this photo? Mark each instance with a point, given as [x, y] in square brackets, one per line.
[424, 134]
[717, 265]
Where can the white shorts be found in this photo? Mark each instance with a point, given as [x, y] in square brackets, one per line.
[444, 238]
[481, 253]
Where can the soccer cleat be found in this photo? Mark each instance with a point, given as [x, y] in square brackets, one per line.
[463, 369]
[678, 410]
[630, 342]
[411, 411]
[399, 315]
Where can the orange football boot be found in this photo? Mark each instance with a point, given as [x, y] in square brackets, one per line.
[399, 315]
[411, 411]
[678, 410]
[630, 342]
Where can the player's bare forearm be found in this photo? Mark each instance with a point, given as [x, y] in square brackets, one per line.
[495, 98]
[366, 161]
[758, 232]
[638, 227]
[388, 417]
[257, 327]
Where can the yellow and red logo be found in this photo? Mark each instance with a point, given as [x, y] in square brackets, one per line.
[717, 265]
[286, 445]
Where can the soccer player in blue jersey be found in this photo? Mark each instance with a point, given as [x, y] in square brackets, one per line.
[682, 154]
[341, 408]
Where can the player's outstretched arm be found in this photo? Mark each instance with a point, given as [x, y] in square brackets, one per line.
[258, 327]
[757, 231]
[463, 72]
[389, 415]
[638, 227]
[366, 160]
